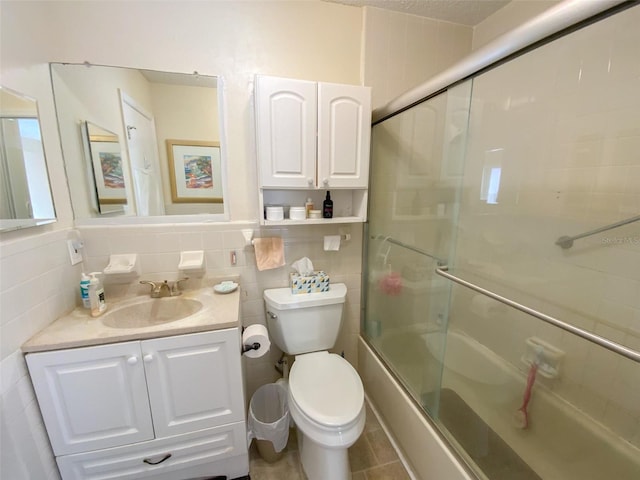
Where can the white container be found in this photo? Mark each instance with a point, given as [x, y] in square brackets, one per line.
[315, 214]
[96, 295]
[297, 213]
[275, 213]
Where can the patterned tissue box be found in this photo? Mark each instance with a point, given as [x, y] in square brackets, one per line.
[313, 283]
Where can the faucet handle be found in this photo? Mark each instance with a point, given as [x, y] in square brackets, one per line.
[175, 286]
[155, 287]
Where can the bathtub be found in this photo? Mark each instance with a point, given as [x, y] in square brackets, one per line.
[560, 443]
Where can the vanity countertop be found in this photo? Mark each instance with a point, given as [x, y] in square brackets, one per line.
[79, 329]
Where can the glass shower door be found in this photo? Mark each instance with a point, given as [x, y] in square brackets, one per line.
[417, 164]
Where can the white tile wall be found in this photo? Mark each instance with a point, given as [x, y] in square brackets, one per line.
[37, 285]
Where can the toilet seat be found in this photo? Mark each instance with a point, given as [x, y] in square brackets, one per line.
[326, 389]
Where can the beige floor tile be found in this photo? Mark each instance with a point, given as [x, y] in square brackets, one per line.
[288, 467]
[381, 446]
[372, 457]
[361, 455]
[390, 471]
[371, 423]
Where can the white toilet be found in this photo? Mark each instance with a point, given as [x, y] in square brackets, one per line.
[326, 398]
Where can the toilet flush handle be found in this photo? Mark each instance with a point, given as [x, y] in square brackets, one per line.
[272, 315]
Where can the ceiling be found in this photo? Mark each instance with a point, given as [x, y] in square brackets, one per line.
[465, 12]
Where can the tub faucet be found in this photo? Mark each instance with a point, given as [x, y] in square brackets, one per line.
[164, 289]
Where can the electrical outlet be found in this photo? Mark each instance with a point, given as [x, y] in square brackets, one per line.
[74, 251]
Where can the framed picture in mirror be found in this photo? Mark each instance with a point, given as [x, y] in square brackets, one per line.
[108, 171]
[194, 171]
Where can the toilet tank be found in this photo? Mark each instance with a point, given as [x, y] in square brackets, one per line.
[306, 322]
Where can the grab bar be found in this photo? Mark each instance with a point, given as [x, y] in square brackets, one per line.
[598, 340]
[567, 242]
[407, 246]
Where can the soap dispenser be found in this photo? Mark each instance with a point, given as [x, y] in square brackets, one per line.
[96, 295]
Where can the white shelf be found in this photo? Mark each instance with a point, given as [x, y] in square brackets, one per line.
[349, 205]
[313, 221]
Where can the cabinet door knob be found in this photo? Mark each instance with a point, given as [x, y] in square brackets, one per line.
[310, 181]
[325, 181]
[132, 360]
[148, 357]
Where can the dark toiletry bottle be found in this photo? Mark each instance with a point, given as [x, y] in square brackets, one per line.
[327, 207]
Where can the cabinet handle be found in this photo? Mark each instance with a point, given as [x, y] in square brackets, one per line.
[166, 457]
[148, 357]
[325, 181]
[132, 360]
[310, 181]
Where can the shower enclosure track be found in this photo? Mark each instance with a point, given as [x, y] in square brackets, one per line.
[633, 355]
[567, 242]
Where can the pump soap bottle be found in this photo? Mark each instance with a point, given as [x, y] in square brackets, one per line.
[96, 295]
[327, 206]
[84, 290]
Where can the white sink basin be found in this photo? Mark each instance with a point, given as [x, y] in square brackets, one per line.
[151, 312]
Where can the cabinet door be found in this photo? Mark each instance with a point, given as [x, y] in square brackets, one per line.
[344, 133]
[194, 381]
[91, 398]
[286, 123]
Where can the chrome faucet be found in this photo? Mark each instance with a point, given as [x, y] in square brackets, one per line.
[164, 289]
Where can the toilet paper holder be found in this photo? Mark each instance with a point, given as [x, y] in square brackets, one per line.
[252, 342]
[248, 348]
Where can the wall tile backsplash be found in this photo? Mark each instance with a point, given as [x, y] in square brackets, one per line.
[159, 252]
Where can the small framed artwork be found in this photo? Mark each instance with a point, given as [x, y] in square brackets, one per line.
[108, 172]
[194, 171]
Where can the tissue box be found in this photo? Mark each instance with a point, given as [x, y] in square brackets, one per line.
[313, 283]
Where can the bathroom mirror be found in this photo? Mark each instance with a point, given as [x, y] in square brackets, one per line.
[115, 125]
[25, 193]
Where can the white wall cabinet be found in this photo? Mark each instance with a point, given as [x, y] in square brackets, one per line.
[135, 405]
[312, 137]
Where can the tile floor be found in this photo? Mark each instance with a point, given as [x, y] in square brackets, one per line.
[372, 457]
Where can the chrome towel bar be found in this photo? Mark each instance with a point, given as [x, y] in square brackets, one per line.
[590, 337]
[407, 246]
[567, 242]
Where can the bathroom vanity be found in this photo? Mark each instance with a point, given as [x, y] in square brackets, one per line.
[149, 397]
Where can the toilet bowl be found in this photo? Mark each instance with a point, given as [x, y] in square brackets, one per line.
[326, 401]
[326, 397]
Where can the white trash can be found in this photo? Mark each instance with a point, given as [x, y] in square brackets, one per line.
[269, 421]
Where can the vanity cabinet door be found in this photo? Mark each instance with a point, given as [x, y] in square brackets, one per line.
[194, 381]
[286, 123]
[92, 398]
[344, 134]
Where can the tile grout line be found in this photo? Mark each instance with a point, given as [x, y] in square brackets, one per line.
[392, 440]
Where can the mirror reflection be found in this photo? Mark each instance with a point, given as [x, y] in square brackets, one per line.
[25, 194]
[106, 171]
[119, 129]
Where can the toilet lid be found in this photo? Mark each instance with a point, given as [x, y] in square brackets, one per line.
[326, 388]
